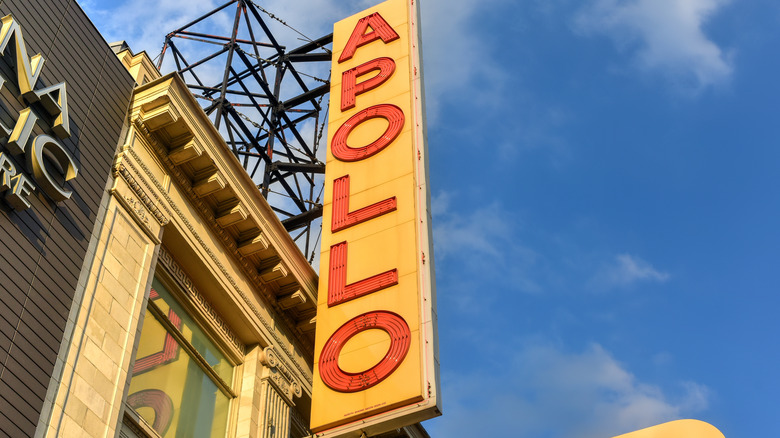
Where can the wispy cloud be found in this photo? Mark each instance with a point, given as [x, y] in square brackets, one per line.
[476, 243]
[544, 390]
[478, 236]
[455, 48]
[626, 270]
[665, 36]
[480, 233]
[144, 23]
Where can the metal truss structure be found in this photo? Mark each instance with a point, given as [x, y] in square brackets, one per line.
[266, 108]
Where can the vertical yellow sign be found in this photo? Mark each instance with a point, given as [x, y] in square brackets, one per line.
[376, 364]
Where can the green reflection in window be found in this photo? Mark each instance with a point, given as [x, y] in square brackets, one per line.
[193, 333]
[169, 389]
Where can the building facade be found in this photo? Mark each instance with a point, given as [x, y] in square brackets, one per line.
[63, 99]
[197, 318]
[148, 289]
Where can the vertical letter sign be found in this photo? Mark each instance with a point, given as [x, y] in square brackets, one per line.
[376, 364]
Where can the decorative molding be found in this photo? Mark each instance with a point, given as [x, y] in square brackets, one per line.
[279, 374]
[138, 208]
[178, 274]
[268, 326]
[164, 212]
[208, 213]
[120, 169]
[186, 184]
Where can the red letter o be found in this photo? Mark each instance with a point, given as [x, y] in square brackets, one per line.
[400, 339]
[391, 113]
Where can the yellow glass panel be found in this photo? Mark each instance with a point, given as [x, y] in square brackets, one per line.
[169, 389]
[193, 333]
[172, 393]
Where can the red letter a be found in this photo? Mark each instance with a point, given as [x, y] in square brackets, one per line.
[380, 30]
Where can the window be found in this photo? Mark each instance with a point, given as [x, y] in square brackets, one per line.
[181, 382]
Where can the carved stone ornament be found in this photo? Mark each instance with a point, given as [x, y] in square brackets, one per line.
[279, 375]
[138, 208]
[121, 169]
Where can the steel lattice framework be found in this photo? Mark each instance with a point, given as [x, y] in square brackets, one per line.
[268, 110]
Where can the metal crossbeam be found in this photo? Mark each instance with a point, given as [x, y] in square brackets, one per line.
[267, 107]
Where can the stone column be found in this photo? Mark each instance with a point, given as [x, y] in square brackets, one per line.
[88, 399]
[267, 394]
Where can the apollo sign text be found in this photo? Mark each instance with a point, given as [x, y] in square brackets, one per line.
[375, 358]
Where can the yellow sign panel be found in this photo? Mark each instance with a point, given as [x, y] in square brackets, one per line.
[677, 429]
[375, 351]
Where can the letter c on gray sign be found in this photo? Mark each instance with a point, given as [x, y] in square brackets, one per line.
[59, 155]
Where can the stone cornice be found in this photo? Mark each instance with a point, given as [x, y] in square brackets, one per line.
[128, 173]
[182, 104]
[305, 375]
[139, 65]
[168, 121]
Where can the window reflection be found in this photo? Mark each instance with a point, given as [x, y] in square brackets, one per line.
[169, 388]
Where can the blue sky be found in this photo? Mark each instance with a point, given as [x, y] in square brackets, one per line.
[605, 177]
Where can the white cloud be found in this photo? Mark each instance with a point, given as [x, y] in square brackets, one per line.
[476, 242]
[481, 233]
[667, 37]
[542, 390]
[143, 23]
[455, 54]
[626, 270]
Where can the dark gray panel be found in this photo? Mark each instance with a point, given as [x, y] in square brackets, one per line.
[10, 428]
[22, 376]
[18, 267]
[21, 381]
[46, 315]
[45, 245]
[29, 343]
[12, 304]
